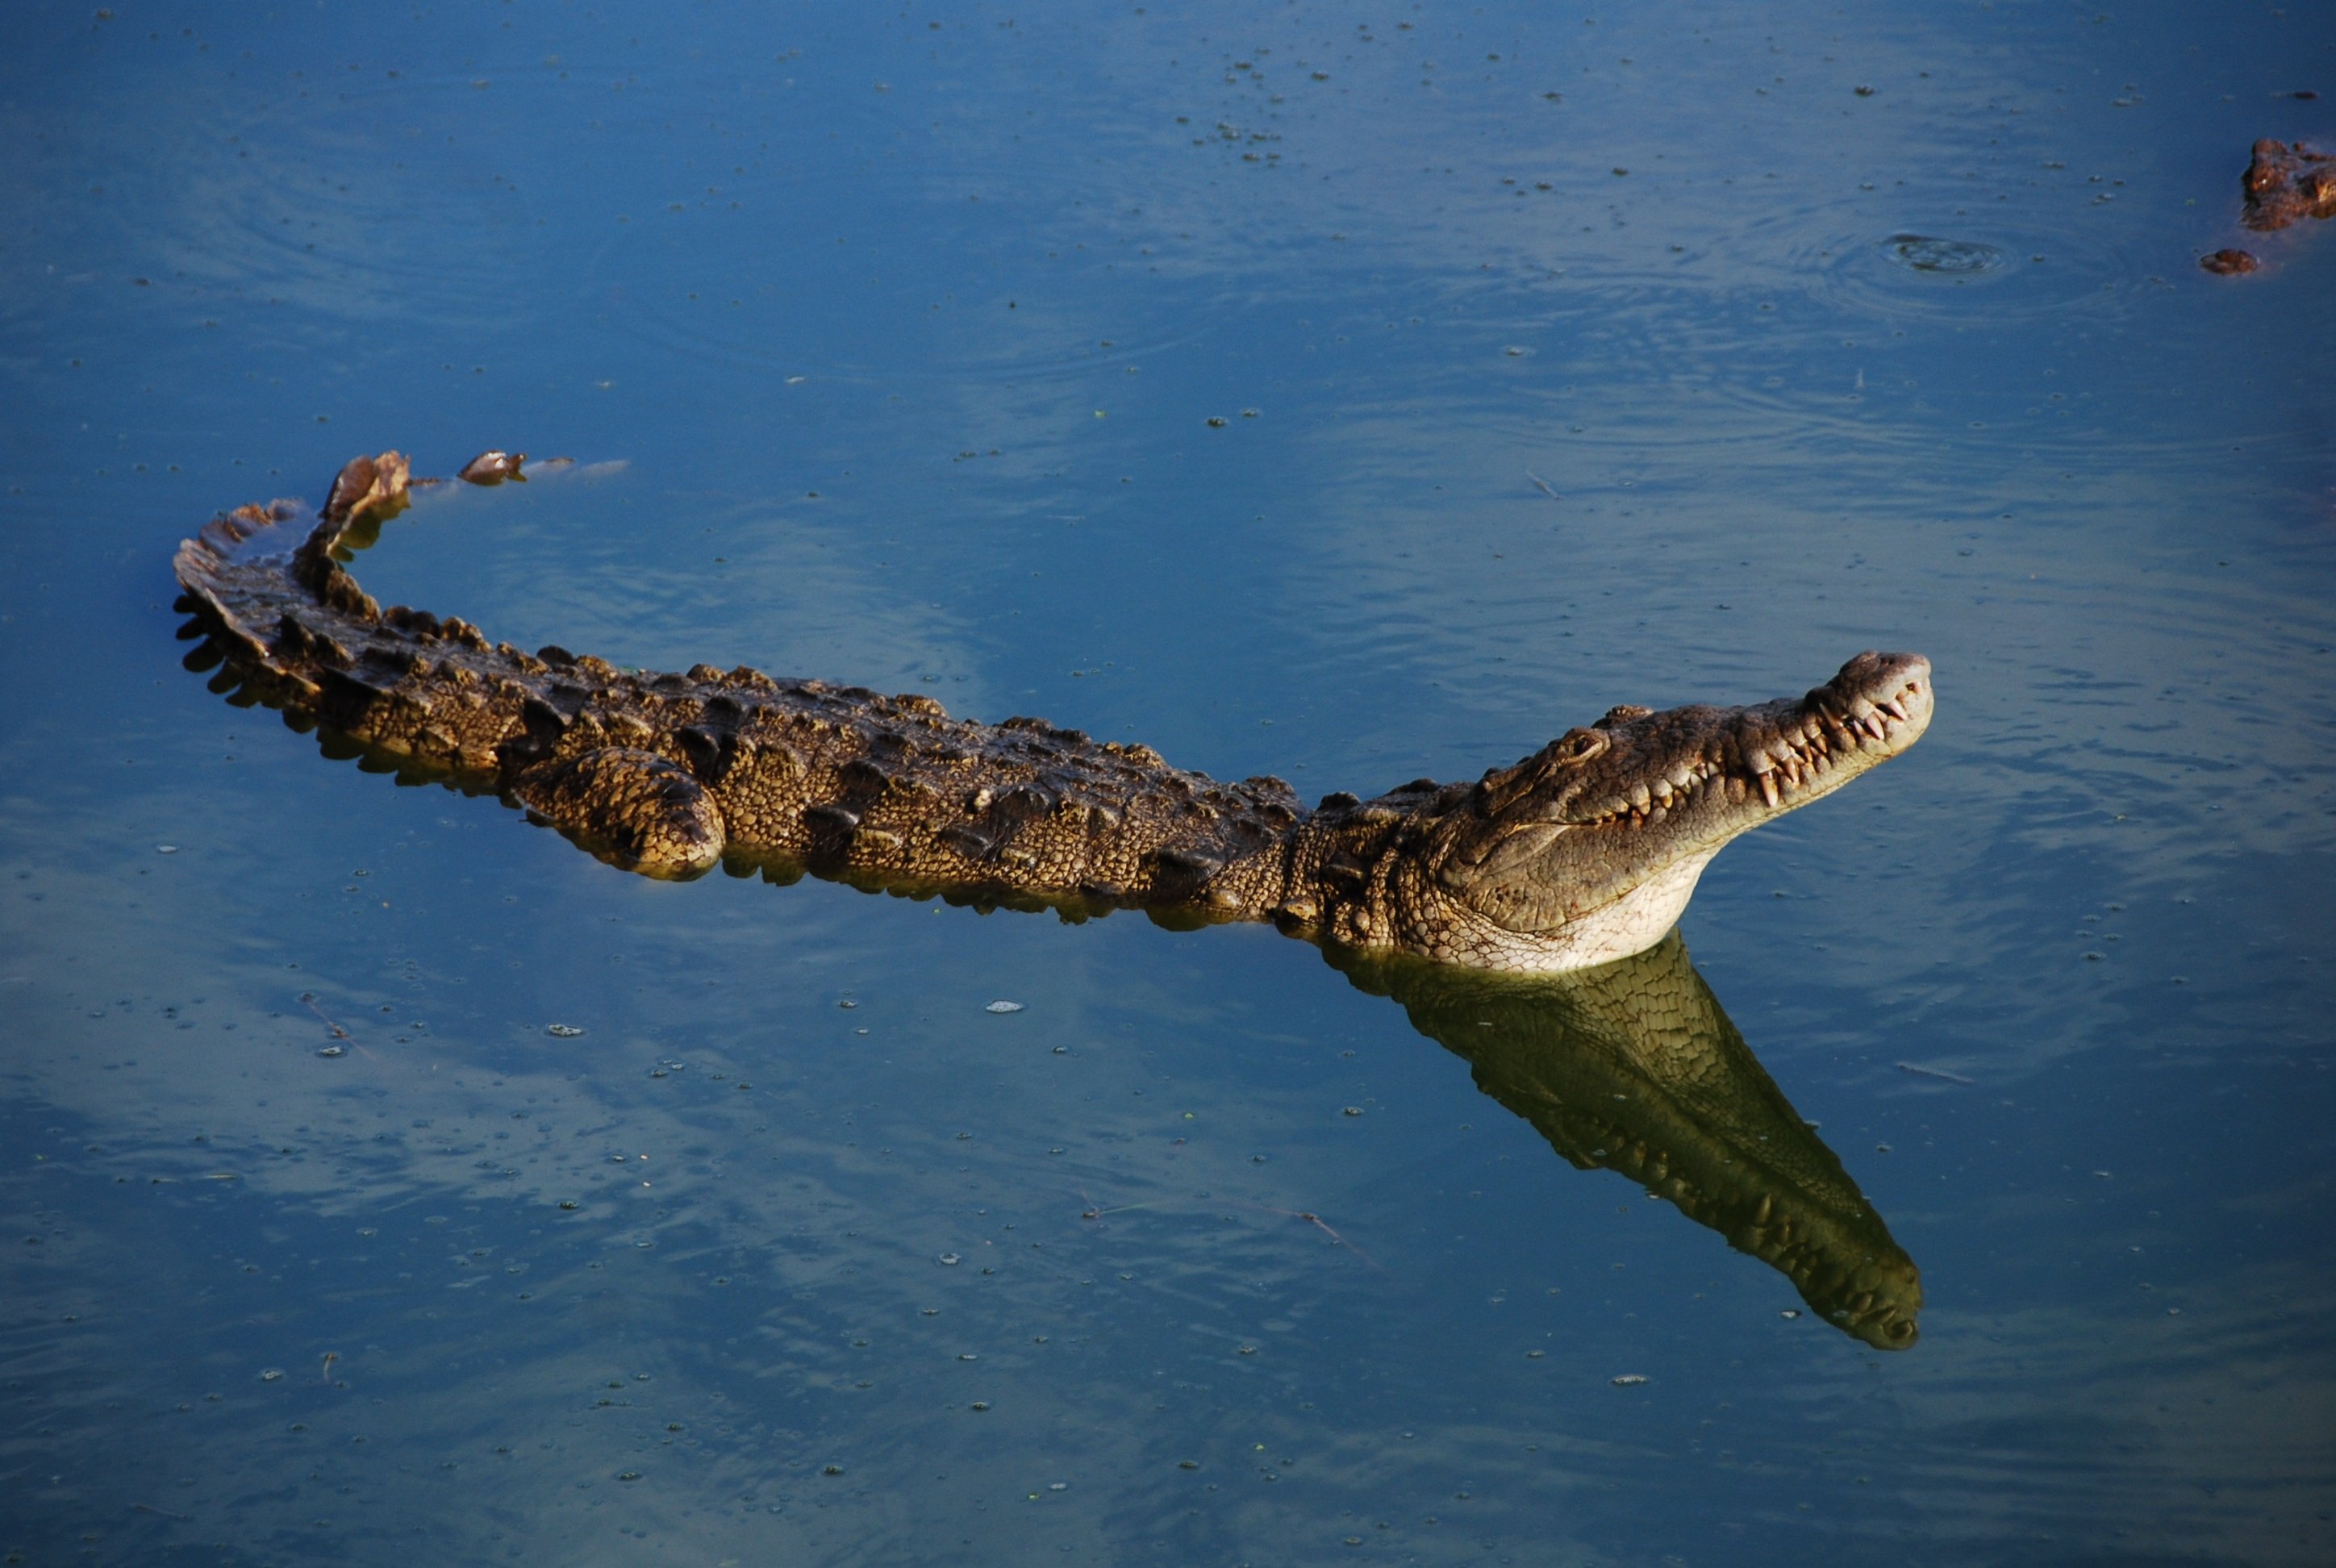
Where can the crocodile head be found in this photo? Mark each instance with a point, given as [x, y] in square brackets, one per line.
[1588, 850]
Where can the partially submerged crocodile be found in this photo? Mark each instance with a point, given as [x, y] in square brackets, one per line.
[1634, 1067]
[1585, 851]
[2282, 186]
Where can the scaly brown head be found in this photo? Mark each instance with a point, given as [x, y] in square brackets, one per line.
[1588, 850]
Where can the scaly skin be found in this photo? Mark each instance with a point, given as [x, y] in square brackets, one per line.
[1634, 1067]
[1582, 853]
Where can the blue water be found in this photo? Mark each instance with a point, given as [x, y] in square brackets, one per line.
[1561, 360]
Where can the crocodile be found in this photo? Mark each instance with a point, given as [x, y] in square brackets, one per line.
[1583, 852]
[2283, 185]
[1634, 1067]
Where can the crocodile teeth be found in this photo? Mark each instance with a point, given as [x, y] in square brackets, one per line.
[1768, 787]
[1895, 709]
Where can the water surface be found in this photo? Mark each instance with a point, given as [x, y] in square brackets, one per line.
[1561, 361]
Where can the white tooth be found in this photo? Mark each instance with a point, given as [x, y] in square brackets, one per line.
[1769, 788]
[1895, 709]
[1639, 796]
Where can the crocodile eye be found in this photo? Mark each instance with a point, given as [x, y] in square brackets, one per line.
[1578, 745]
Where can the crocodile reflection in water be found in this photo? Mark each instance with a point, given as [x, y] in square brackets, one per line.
[1634, 1067]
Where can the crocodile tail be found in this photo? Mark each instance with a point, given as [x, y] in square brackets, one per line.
[269, 615]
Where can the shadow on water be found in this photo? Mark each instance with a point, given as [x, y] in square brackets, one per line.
[1630, 1066]
[1634, 1067]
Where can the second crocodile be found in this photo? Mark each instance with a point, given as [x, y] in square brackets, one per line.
[1585, 851]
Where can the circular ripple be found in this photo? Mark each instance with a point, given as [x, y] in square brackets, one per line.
[1955, 259]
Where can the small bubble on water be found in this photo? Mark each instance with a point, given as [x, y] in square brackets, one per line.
[950, 1258]
[1003, 1007]
[562, 1031]
[1629, 1380]
[330, 1051]
[272, 1374]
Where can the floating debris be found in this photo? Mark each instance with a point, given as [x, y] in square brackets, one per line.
[1002, 1007]
[562, 1031]
[1629, 1380]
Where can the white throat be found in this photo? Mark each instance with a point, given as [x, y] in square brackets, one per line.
[1630, 924]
